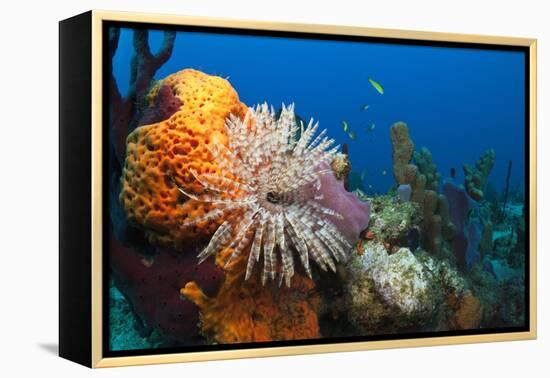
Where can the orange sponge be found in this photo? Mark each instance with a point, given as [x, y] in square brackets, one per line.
[161, 155]
[247, 311]
[468, 313]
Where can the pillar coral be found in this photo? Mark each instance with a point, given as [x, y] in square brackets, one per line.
[436, 224]
[475, 178]
[431, 223]
[403, 148]
[426, 166]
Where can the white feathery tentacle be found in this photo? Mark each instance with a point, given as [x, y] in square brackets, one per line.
[267, 190]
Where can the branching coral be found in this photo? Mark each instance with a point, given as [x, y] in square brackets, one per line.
[126, 111]
[271, 180]
[403, 148]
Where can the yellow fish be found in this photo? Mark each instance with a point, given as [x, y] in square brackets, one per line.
[365, 107]
[376, 86]
[352, 135]
[346, 126]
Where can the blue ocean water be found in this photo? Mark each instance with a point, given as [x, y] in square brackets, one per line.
[458, 102]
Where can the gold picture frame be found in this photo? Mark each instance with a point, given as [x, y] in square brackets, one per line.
[92, 24]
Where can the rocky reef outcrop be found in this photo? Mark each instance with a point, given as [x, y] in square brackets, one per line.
[402, 291]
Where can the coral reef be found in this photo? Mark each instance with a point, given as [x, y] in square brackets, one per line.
[475, 178]
[257, 195]
[389, 293]
[391, 220]
[431, 223]
[341, 166]
[174, 190]
[426, 166]
[398, 278]
[473, 236]
[459, 205]
[424, 181]
[403, 147]
[161, 156]
[468, 312]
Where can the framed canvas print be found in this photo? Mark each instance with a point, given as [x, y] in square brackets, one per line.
[236, 189]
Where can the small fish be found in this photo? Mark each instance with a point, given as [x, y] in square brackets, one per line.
[371, 127]
[376, 86]
[346, 126]
[364, 107]
[384, 172]
[352, 135]
[363, 174]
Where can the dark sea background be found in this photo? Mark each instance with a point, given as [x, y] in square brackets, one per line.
[458, 102]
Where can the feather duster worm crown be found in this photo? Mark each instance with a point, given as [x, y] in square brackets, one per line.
[268, 193]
